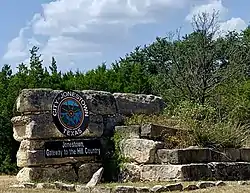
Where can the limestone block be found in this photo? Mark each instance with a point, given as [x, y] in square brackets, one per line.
[129, 104]
[230, 170]
[245, 154]
[42, 127]
[140, 150]
[96, 178]
[124, 189]
[28, 158]
[62, 173]
[131, 131]
[86, 171]
[40, 100]
[152, 131]
[178, 172]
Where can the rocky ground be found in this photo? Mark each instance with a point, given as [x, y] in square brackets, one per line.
[230, 187]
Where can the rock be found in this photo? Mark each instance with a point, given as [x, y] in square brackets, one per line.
[230, 170]
[220, 183]
[158, 188]
[29, 185]
[174, 187]
[203, 185]
[86, 171]
[30, 158]
[101, 190]
[129, 104]
[124, 189]
[140, 150]
[62, 173]
[231, 155]
[42, 127]
[40, 100]
[142, 190]
[245, 154]
[96, 178]
[128, 132]
[65, 187]
[45, 186]
[243, 183]
[82, 189]
[17, 186]
[190, 187]
[156, 132]
[186, 172]
[130, 173]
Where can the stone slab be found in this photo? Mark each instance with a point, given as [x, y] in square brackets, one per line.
[29, 158]
[129, 104]
[42, 127]
[40, 100]
[49, 174]
[140, 150]
[245, 154]
[192, 155]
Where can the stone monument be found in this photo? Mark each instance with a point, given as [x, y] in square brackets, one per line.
[61, 132]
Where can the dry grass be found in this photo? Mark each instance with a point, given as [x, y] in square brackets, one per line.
[6, 181]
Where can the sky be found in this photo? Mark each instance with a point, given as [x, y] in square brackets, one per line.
[82, 34]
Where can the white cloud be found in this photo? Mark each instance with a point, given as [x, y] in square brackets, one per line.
[76, 28]
[233, 24]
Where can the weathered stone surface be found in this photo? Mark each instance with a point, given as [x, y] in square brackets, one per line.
[86, 171]
[130, 173]
[220, 183]
[65, 187]
[178, 172]
[190, 155]
[142, 189]
[63, 173]
[96, 178]
[174, 187]
[190, 187]
[40, 100]
[17, 186]
[203, 185]
[231, 154]
[45, 186]
[100, 189]
[124, 189]
[140, 150]
[230, 170]
[156, 132]
[42, 127]
[131, 131]
[158, 188]
[129, 104]
[37, 158]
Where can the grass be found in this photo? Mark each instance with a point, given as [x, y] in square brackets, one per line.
[232, 187]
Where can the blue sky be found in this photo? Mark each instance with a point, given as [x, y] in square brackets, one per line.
[82, 34]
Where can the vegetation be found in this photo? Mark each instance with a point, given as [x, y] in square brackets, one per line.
[204, 79]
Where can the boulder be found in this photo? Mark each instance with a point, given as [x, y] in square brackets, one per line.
[124, 189]
[45, 186]
[245, 154]
[86, 171]
[220, 183]
[190, 187]
[65, 187]
[96, 178]
[142, 190]
[62, 173]
[203, 185]
[42, 127]
[40, 100]
[140, 150]
[174, 187]
[158, 188]
[129, 104]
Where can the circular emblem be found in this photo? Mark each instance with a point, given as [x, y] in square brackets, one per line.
[70, 113]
